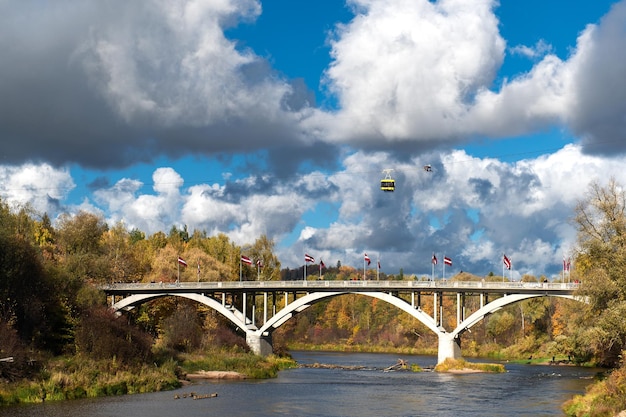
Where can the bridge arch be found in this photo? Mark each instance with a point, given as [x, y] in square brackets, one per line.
[231, 314]
[308, 300]
[496, 305]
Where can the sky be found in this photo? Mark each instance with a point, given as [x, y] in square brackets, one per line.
[277, 118]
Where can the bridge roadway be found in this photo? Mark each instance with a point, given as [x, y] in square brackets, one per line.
[236, 300]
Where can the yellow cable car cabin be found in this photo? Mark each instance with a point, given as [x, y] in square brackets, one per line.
[388, 184]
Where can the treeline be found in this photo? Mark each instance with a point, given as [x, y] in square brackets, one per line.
[50, 304]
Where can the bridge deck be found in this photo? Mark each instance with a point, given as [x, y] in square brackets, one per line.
[348, 286]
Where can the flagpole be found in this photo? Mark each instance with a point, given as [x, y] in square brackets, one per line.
[377, 267]
[321, 261]
[364, 268]
[178, 264]
[444, 266]
[432, 267]
[240, 267]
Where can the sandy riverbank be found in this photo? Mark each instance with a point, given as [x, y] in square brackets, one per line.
[216, 375]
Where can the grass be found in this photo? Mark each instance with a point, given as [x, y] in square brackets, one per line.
[604, 398]
[452, 365]
[252, 366]
[79, 377]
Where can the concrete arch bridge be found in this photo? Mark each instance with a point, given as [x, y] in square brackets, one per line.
[237, 301]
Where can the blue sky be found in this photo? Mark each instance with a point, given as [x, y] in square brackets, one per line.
[257, 117]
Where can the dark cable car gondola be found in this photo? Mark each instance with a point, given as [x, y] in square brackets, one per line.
[387, 184]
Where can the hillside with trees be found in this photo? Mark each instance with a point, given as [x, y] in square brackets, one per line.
[51, 305]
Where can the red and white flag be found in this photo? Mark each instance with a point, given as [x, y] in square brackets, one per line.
[507, 262]
[182, 261]
[246, 260]
[259, 263]
[447, 261]
[308, 258]
[367, 259]
[322, 264]
[434, 260]
[566, 264]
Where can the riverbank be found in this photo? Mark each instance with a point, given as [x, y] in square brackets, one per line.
[605, 397]
[78, 377]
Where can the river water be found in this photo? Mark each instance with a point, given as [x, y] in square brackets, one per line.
[524, 390]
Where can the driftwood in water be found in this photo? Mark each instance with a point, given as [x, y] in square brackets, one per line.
[201, 397]
[195, 396]
[400, 365]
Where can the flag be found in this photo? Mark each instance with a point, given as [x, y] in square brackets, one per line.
[259, 263]
[367, 259]
[447, 261]
[434, 260]
[308, 258]
[182, 261]
[378, 264]
[246, 260]
[322, 264]
[198, 268]
[566, 264]
[507, 261]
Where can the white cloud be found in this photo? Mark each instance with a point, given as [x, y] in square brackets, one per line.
[409, 69]
[598, 88]
[409, 75]
[423, 72]
[171, 63]
[42, 186]
[483, 207]
[540, 49]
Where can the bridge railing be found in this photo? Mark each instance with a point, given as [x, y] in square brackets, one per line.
[321, 284]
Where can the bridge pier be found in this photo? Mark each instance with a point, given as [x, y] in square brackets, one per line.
[449, 347]
[259, 344]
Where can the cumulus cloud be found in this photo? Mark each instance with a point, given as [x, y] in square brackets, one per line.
[116, 83]
[147, 212]
[599, 93]
[422, 72]
[112, 84]
[406, 69]
[42, 187]
[540, 49]
[472, 209]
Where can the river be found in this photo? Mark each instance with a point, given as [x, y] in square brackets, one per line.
[524, 390]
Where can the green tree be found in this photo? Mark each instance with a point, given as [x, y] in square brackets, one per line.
[31, 302]
[499, 324]
[601, 263]
[263, 251]
[79, 239]
[124, 262]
